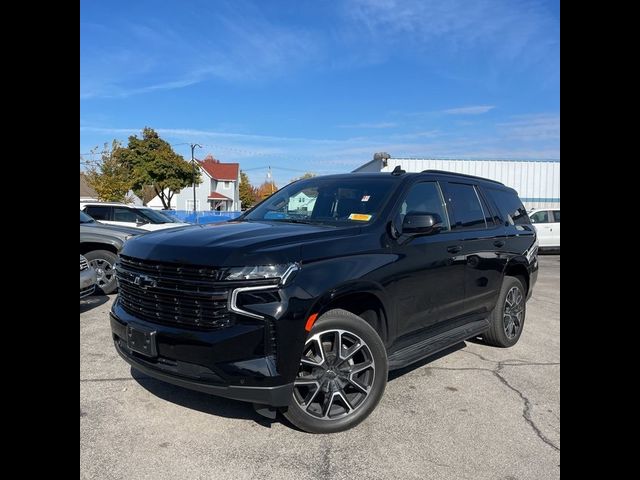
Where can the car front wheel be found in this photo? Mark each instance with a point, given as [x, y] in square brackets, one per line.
[103, 261]
[341, 377]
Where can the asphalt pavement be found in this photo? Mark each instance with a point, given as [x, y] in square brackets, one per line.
[477, 412]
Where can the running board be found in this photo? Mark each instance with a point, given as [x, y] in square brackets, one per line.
[429, 346]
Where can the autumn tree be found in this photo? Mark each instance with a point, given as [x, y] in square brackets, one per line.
[152, 162]
[248, 194]
[108, 176]
[266, 189]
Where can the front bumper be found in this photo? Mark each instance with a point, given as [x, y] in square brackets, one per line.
[87, 282]
[232, 362]
[274, 396]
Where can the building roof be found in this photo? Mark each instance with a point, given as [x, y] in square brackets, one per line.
[85, 188]
[220, 171]
[218, 196]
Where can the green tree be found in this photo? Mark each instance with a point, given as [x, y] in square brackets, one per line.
[248, 194]
[152, 162]
[108, 176]
[148, 194]
[304, 176]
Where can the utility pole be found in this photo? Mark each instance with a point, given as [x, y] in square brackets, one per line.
[193, 160]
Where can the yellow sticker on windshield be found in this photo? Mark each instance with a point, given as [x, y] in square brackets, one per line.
[360, 216]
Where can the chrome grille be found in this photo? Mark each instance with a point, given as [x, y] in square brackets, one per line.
[83, 263]
[172, 294]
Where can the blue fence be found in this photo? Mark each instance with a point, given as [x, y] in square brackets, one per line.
[201, 217]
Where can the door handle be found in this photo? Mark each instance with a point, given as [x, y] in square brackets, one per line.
[454, 248]
[499, 243]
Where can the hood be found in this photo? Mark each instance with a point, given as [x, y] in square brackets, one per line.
[161, 226]
[233, 243]
[115, 230]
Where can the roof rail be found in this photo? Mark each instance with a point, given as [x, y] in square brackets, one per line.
[464, 175]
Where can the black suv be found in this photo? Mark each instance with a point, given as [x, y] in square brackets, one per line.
[306, 301]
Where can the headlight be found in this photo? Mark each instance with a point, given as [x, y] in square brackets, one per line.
[261, 272]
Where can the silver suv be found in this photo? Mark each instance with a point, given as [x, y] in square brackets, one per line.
[100, 245]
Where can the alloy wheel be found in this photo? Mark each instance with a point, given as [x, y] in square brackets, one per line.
[513, 312]
[336, 374]
[104, 271]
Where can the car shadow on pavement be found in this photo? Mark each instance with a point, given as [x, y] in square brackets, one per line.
[202, 402]
[93, 301]
[228, 408]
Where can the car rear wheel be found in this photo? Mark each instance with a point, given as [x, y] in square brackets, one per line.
[507, 319]
[341, 377]
[104, 261]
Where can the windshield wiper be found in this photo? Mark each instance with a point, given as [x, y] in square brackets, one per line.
[292, 220]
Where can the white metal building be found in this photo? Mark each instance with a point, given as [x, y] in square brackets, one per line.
[537, 182]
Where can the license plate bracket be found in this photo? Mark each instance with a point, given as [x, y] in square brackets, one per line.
[142, 340]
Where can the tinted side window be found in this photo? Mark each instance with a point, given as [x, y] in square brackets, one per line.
[540, 217]
[98, 212]
[465, 203]
[425, 197]
[490, 216]
[123, 215]
[510, 206]
[556, 216]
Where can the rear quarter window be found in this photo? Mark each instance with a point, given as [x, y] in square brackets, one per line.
[464, 201]
[509, 206]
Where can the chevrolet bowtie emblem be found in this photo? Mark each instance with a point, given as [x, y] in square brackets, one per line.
[144, 282]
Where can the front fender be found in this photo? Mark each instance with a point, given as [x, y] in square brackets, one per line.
[328, 280]
[103, 239]
[319, 283]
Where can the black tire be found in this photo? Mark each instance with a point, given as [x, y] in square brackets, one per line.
[336, 376]
[103, 261]
[500, 334]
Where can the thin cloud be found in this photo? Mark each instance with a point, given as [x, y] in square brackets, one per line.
[417, 135]
[471, 110]
[142, 58]
[510, 35]
[536, 127]
[369, 125]
[509, 140]
[152, 55]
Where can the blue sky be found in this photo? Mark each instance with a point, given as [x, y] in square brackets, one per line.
[320, 85]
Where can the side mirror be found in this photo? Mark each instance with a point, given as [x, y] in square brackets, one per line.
[140, 222]
[421, 223]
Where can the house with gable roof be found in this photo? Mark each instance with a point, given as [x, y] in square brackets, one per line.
[219, 189]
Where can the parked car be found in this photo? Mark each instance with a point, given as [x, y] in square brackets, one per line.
[87, 278]
[100, 245]
[547, 223]
[306, 310]
[129, 216]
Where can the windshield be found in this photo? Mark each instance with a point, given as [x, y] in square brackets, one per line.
[170, 217]
[84, 218]
[154, 216]
[327, 200]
